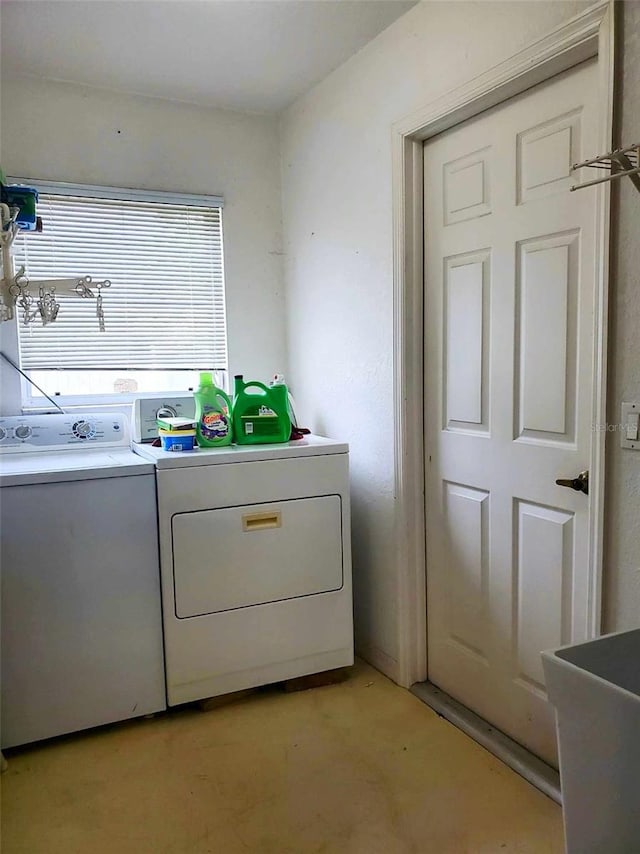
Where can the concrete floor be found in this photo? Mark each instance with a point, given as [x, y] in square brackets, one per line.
[356, 768]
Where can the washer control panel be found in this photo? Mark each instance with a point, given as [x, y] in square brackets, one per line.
[147, 409]
[60, 431]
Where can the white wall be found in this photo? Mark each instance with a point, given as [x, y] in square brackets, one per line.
[622, 562]
[65, 132]
[336, 162]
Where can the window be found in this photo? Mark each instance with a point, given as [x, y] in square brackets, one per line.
[164, 311]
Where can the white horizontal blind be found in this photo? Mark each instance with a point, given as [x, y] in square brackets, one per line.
[165, 307]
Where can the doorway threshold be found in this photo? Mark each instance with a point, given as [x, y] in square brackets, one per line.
[517, 757]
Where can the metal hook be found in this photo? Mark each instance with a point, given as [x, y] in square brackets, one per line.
[48, 306]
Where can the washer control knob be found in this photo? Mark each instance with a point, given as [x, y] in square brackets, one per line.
[22, 431]
[3, 434]
[83, 430]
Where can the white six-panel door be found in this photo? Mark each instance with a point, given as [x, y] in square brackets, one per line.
[509, 366]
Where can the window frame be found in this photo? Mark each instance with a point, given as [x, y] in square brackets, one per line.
[28, 402]
[33, 404]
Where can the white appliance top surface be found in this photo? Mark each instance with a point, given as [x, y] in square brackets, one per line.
[310, 446]
[54, 466]
[66, 446]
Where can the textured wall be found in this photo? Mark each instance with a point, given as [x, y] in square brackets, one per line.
[336, 161]
[622, 548]
[65, 132]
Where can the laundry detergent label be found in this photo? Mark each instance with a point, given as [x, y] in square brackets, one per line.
[214, 424]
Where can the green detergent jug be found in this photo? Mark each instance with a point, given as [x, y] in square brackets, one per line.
[262, 417]
[213, 414]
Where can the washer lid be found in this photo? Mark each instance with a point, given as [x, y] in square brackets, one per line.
[310, 446]
[57, 466]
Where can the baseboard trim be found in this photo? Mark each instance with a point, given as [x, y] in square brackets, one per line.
[379, 659]
[517, 757]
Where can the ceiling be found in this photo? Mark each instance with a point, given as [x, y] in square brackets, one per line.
[250, 55]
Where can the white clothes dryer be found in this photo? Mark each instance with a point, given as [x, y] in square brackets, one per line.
[255, 560]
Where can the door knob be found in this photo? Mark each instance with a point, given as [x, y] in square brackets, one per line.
[579, 483]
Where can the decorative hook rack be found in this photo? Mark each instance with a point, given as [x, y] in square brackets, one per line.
[621, 162]
[15, 288]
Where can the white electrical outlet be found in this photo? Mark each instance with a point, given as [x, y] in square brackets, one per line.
[630, 426]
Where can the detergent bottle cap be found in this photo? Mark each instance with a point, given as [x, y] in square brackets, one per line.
[205, 379]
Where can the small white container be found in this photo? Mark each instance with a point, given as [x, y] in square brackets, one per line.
[595, 688]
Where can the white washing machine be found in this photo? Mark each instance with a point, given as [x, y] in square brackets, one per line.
[255, 563]
[81, 628]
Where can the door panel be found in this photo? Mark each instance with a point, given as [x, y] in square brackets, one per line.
[466, 301]
[467, 528]
[545, 369]
[235, 557]
[544, 547]
[466, 187]
[509, 299]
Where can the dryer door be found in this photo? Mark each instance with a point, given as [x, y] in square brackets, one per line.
[235, 557]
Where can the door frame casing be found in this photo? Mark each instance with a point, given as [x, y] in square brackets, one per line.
[586, 36]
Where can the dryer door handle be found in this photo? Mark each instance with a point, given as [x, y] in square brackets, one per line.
[261, 521]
